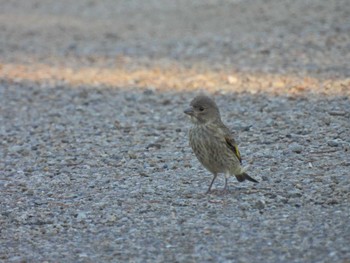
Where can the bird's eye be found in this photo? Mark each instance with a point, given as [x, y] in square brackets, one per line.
[201, 109]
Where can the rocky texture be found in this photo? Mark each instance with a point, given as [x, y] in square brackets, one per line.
[92, 171]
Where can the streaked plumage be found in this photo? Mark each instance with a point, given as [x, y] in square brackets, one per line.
[212, 141]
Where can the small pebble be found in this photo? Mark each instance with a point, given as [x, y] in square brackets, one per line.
[81, 216]
[337, 113]
[296, 148]
[333, 143]
[260, 204]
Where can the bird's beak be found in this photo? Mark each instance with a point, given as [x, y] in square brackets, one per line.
[189, 111]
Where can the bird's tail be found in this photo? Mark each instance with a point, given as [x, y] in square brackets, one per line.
[244, 176]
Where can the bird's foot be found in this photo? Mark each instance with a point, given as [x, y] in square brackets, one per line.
[225, 191]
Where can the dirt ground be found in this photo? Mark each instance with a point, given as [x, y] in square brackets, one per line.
[94, 158]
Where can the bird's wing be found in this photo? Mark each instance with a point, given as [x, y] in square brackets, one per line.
[231, 143]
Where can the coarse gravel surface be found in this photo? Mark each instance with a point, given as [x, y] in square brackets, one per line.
[94, 158]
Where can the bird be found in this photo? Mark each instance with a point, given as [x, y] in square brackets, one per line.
[213, 143]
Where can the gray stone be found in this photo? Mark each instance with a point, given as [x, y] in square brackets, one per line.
[333, 143]
[296, 148]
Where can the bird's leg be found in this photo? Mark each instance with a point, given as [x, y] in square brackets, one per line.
[212, 181]
[225, 187]
[225, 190]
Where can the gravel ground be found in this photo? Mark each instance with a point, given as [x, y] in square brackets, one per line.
[94, 160]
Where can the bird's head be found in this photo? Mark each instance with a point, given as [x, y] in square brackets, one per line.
[203, 110]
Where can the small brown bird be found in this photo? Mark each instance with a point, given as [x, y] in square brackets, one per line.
[212, 142]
